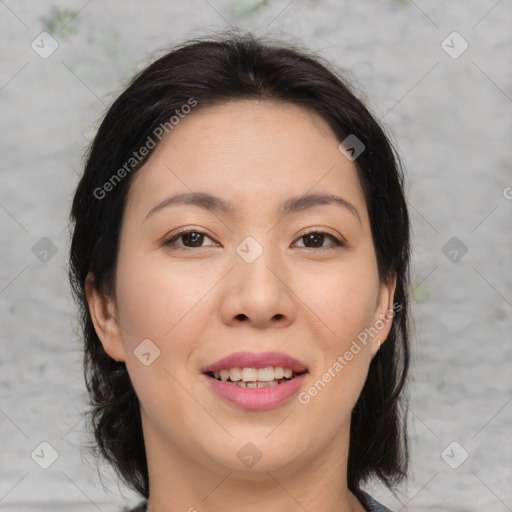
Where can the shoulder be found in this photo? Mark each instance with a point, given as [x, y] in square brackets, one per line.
[370, 504]
[141, 507]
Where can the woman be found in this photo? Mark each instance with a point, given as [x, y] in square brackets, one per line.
[240, 256]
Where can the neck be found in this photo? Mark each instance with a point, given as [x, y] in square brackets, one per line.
[181, 482]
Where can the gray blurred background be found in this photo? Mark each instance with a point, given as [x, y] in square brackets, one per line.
[437, 73]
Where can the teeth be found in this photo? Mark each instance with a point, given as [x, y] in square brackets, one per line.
[249, 376]
[270, 384]
[235, 374]
[266, 374]
[278, 372]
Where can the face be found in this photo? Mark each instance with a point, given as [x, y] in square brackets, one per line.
[199, 283]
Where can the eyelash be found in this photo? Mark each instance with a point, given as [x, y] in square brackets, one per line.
[175, 236]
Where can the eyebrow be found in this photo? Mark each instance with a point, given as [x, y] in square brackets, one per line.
[213, 203]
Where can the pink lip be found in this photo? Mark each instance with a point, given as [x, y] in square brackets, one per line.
[256, 398]
[256, 360]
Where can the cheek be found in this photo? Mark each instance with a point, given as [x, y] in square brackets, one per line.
[164, 305]
[154, 300]
[344, 300]
[344, 297]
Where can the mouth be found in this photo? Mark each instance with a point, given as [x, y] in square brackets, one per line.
[250, 377]
[256, 380]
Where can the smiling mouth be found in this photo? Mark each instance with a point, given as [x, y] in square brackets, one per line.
[255, 377]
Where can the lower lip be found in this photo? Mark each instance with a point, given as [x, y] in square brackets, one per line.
[256, 398]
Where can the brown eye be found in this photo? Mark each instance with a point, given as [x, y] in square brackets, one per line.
[191, 239]
[194, 238]
[316, 239]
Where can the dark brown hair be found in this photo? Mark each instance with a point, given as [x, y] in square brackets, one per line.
[212, 70]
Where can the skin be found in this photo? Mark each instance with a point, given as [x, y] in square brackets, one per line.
[198, 302]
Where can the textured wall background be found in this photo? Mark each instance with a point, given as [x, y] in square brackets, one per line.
[439, 74]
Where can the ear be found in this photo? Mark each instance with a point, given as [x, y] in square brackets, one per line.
[384, 312]
[104, 318]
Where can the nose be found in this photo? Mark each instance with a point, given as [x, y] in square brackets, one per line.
[259, 293]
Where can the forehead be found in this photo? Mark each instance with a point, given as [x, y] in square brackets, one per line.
[248, 151]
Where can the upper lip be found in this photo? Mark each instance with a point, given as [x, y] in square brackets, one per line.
[256, 360]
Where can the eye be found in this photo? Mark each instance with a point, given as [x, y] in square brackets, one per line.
[194, 238]
[191, 238]
[317, 238]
